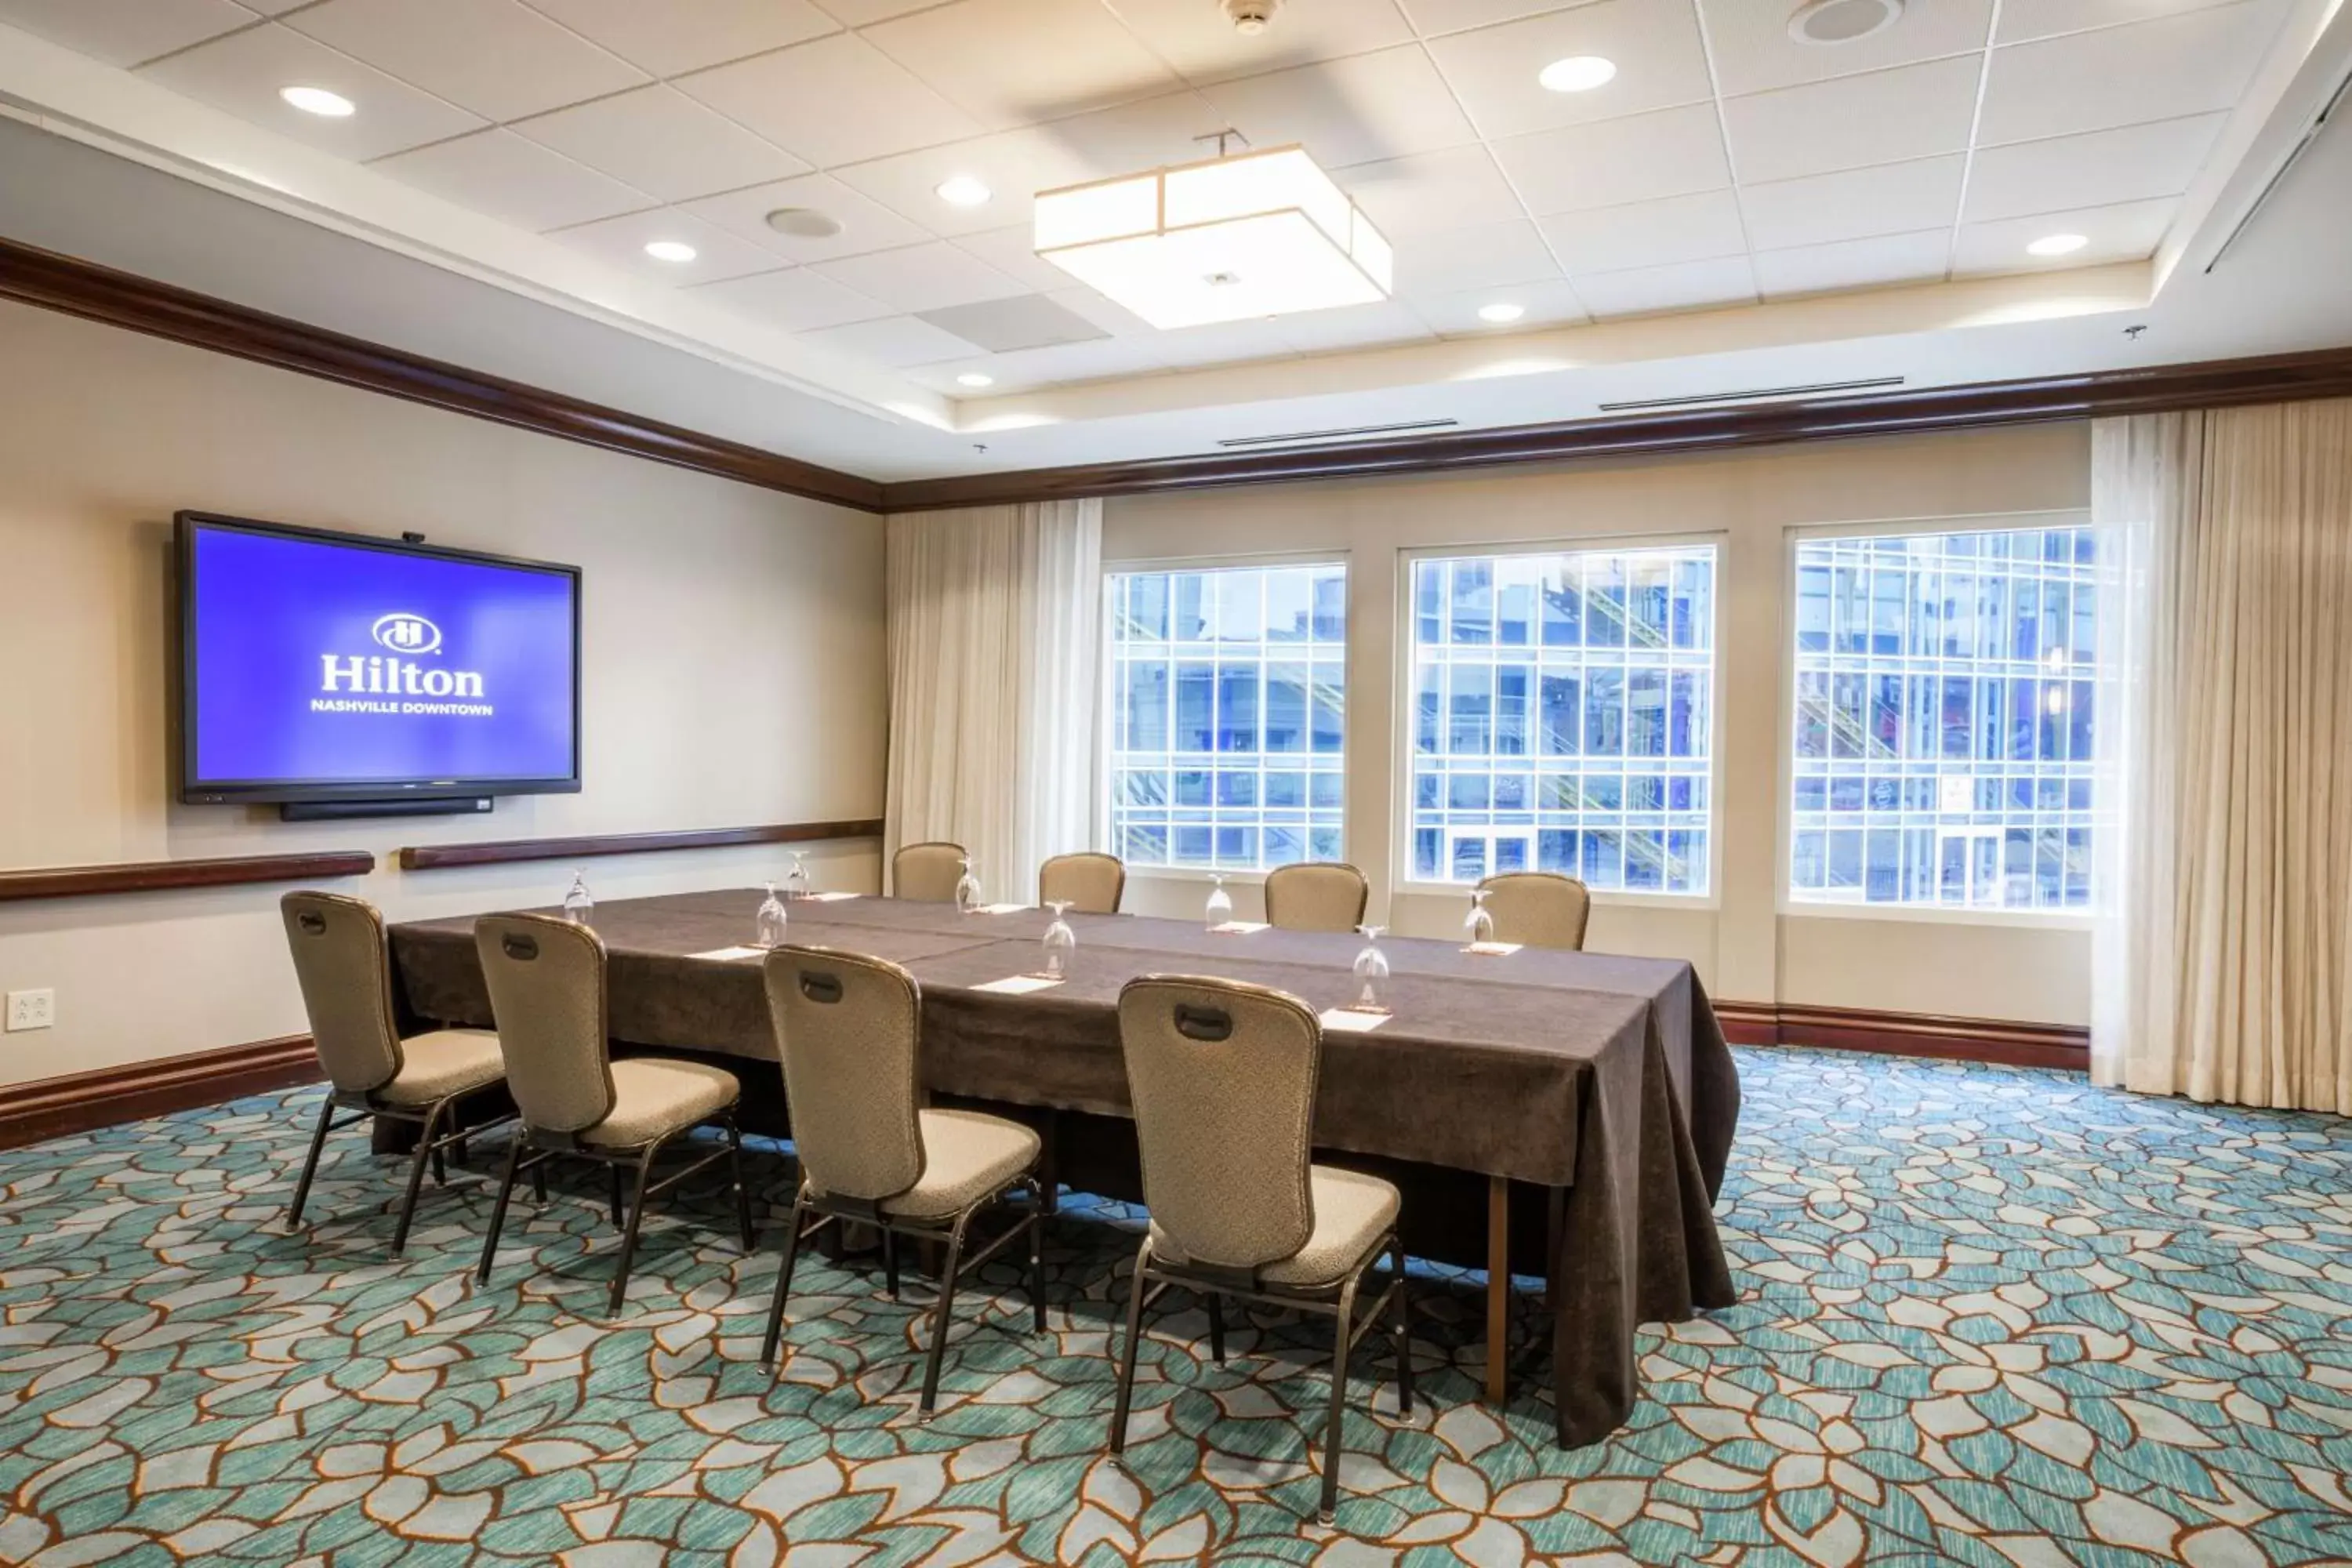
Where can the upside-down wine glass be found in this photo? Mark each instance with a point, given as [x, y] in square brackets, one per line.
[1061, 942]
[579, 904]
[768, 925]
[1479, 923]
[797, 878]
[1371, 973]
[967, 894]
[1221, 903]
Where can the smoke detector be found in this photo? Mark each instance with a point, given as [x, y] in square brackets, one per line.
[1843, 21]
[1251, 17]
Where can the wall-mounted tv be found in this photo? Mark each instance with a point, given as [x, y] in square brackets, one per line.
[336, 668]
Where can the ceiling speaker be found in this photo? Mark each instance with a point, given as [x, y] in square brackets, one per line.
[1843, 21]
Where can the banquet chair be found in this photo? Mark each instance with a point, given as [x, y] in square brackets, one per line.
[1539, 908]
[1222, 1076]
[848, 1028]
[928, 872]
[546, 979]
[1316, 895]
[1091, 881]
[343, 962]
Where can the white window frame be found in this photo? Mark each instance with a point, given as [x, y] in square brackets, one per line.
[1785, 794]
[1402, 697]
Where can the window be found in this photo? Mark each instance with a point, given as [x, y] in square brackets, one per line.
[1563, 717]
[1944, 748]
[1228, 710]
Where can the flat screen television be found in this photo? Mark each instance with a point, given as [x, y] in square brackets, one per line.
[336, 668]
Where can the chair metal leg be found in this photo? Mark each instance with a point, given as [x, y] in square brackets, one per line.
[538, 1185]
[416, 1164]
[440, 1169]
[1402, 1332]
[629, 1231]
[783, 1287]
[742, 1194]
[499, 1208]
[1036, 1254]
[311, 1165]
[943, 1315]
[890, 1262]
[1339, 1399]
[1135, 1291]
[619, 1197]
[1216, 1328]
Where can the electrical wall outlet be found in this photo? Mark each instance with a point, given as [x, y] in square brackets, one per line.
[32, 1010]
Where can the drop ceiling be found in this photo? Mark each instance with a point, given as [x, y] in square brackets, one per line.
[1730, 191]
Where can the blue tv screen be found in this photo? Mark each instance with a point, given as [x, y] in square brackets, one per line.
[336, 667]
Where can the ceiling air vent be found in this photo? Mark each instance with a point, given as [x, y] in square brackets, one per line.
[1352, 433]
[1752, 395]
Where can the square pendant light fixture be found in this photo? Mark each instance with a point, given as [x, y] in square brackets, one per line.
[1258, 233]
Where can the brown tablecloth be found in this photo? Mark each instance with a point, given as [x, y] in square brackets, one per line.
[1605, 1076]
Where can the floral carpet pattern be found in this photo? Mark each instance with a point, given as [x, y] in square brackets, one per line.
[1989, 1316]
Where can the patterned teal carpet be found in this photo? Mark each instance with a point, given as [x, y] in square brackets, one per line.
[1989, 1316]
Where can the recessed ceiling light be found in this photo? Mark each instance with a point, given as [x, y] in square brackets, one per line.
[670, 250]
[319, 100]
[2058, 244]
[1501, 310]
[804, 223]
[974, 378]
[1577, 73]
[1843, 21]
[963, 190]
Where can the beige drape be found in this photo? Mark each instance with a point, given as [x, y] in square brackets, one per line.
[2223, 966]
[995, 618]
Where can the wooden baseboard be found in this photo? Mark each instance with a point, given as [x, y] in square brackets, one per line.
[2000, 1041]
[84, 1101]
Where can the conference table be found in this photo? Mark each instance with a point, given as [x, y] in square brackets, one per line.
[1572, 1111]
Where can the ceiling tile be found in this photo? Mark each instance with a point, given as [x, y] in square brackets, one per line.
[1433, 17]
[1026, 369]
[1203, 45]
[125, 32]
[1444, 261]
[1013, 252]
[621, 242]
[2159, 69]
[1881, 116]
[686, 35]
[1382, 324]
[1452, 189]
[1220, 342]
[1654, 44]
[2094, 170]
[1670, 153]
[241, 73]
[833, 101]
[1552, 302]
[1008, 326]
[1012, 62]
[922, 276]
[865, 224]
[858, 13]
[658, 139]
[895, 342]
[1360, 110]
[498, 174]
[1689, 286]
[2047, 18]
[2127, 231]
[1170, 128]
[1753, 52]
[1647, 234]
[497, 57]
[1013, 166]
[1117, 320]
[1854, 263]
[795, 300]
[1893, 198]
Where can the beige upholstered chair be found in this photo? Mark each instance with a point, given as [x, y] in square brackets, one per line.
[546, 979]
[848, 1028]
[1091, 881]
[1316, 895]
[1223, 1080]
[343, 964]
[928, 872]
[1539, 908]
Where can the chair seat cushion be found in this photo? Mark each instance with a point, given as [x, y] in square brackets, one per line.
[443, 1062]
[653, 1098]
[1353, 1214]
[966, 1157]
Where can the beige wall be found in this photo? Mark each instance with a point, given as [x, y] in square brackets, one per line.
[733, 666]
[1742, 945]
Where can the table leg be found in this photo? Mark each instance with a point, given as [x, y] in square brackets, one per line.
[1498, 1288]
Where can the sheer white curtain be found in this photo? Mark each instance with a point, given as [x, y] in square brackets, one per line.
[2223, 958]
[995, 618]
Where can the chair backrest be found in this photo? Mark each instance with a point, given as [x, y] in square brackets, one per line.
[1221, 1075]
[546, 979]
[927, 871]
[1540, 908]
[849, 1028]
[1091, 881]
[1316, 895]
[343, 964]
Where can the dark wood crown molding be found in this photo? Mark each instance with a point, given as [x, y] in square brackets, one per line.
[78, 288]
[441, 857]
[161, 875]
[1906, 1034]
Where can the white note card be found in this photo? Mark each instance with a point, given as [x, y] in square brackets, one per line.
[1493, 948]
[1239, 928]
[825, 898]
[1000, 909]
[1347, 1021]
[732, 954]
[1018, 984]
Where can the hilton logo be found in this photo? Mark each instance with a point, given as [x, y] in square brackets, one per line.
[376, 676]
[404, 633]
